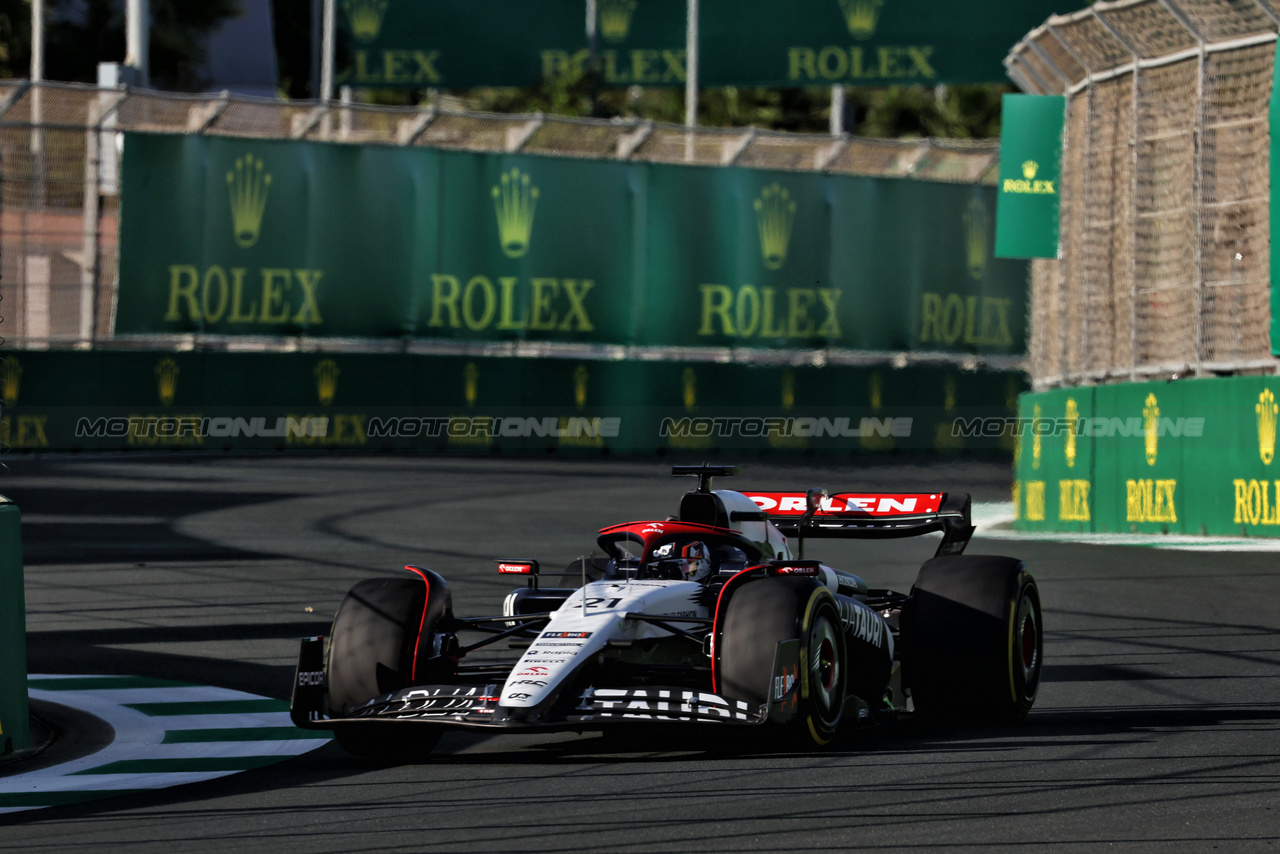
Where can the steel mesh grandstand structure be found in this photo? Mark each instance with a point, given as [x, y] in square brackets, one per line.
[1164, 265]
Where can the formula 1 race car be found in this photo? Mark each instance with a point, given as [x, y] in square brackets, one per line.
[708, 617]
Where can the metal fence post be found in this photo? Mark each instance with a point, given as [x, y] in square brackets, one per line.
[89, 246]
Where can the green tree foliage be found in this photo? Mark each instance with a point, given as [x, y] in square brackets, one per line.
[898, 111]
[81, 33]
[15, 38]
[956, 112]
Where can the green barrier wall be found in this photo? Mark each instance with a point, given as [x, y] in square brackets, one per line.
[15, 732]
[463, 43]
[149, 400]
[254, 237]
[1193, 456]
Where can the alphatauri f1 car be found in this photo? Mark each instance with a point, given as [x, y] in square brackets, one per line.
[710, 617]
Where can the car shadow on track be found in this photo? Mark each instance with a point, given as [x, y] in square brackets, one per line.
[530, 755]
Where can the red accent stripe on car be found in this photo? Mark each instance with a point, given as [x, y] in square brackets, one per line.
[426, 600]
[715, 625]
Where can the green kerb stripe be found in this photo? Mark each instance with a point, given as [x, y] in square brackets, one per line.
[266, 733]
[97, 683]
[181, 765]
[58, 799]
[210, 707]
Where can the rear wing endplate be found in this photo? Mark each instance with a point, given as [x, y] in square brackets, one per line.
[870, 515]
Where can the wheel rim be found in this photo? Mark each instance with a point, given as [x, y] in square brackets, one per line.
[826, 670]
[1028, 643]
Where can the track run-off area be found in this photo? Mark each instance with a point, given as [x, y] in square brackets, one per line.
[1157, 724]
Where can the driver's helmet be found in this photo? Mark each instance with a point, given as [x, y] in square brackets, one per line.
[695, 561]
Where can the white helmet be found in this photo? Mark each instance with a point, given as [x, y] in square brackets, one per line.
[696, 561]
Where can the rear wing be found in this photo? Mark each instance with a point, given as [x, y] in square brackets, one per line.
[870, 515]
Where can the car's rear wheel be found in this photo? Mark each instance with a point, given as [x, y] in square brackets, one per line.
[973, 640]
[381, 634]
[759, 616]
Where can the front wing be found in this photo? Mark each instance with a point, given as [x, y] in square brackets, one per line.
[476, 706]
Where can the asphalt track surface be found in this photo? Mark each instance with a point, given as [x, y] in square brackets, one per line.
[1156, 725]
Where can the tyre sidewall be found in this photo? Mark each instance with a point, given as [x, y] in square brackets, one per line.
[763, 613]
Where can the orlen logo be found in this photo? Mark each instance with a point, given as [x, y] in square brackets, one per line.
[533, 671]
[794, 503]
[797, 570]
[651, 529]
[516, 568]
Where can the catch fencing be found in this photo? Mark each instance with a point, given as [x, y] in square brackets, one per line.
[1165, 223]
[59, 175]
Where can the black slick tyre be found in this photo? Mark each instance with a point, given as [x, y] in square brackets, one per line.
[763, 613]
[973, 640]
[381, 633]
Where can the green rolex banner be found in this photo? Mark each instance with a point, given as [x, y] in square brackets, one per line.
[1030, 173]
[640, 42]
[862, 42]
[463, 43]
[1275, 206]
[455, 43]
[231, 236]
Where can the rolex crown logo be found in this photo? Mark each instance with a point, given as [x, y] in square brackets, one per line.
[1029, 168]
[326, 374]
[861, 16]
[1073, 415]
[514, 201]
[775, 214]
[167, 380]
[365, 17]
[470, 378]
[1151, 427]
[615, 19]
[1266, 408]
[977, 236]
[580, 377]
[12, 379]
[248, 186]
[690, 381]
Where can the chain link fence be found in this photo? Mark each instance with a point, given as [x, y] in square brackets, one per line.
[1165, 230]
[59, 181]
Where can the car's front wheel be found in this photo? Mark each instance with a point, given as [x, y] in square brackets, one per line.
[759, 616]
[380, 643]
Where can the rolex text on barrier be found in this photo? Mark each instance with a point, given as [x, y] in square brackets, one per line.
[253, 237]
[1193, 457]
[463, 43]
